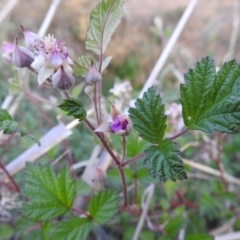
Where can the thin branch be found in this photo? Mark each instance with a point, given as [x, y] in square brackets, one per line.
[133, 159]
[95, 103]
[7, 139]
[81, 212]
[179, 134]
[123, 148]
[16, 187]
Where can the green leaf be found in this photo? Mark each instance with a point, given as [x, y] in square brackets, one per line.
[9, 126]
[74, 107]
[6, 231]
[164, 162]
[199, 236]
[50, 195]
[174, 226]
[104, 19]
[211, 100]
[103, 206]
[82, 66]
[75, 228]
[105, 63]
[148, 117]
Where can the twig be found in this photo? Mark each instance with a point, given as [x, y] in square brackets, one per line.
[133, 159]
[218, 160]
[123, 148]
[7, 139]
[179, 134]
[16, 187]
[81, 212]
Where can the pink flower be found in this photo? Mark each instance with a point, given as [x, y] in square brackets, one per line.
[121, 125]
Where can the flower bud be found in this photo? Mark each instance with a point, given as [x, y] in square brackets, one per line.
[93, 76]
[114, 111]
[22, 57]
[31, 39]
[62, 78]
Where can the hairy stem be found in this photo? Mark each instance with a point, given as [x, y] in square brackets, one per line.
[15, 185]
[179, 134]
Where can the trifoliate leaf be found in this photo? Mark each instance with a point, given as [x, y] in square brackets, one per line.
[104, 19]
[49, 195]
[103, 206]
[74, 107]
[9, 126]
[211, 100]
[82, 66]
[164, 162]
[75, 228]
[148, 117]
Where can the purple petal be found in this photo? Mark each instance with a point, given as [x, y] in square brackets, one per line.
[56, 59]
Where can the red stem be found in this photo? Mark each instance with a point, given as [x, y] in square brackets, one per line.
[81, 212]
[133, 159]
[179, 134]
[7, 139]
[16, 187]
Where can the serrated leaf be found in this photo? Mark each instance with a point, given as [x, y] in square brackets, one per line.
[164, 162]
[211, 100]
[74, 107]
[9, 126]
[82, 66]
[148, 117]
[75, 228]
[103, 206]
[105, 63]
[50, 195]
[104, 19]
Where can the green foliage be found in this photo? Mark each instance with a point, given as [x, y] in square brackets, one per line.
[174, 226]
[9, 126]
[104, 19]
[74, 107]
[148, 117]
[50, 195]
[6, 231]
[75, 228]
[199, 236]
[103, 206]
[164, 162]
[82, 66]
[211, 100]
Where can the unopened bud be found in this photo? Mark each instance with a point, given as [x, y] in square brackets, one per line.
[114, 111]
[22, 57]
[62, 78]
[93, 76]
[31, 39]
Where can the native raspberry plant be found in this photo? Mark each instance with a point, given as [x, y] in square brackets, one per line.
[210, 102]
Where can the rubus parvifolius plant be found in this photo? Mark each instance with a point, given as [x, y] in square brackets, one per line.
[210, 102]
